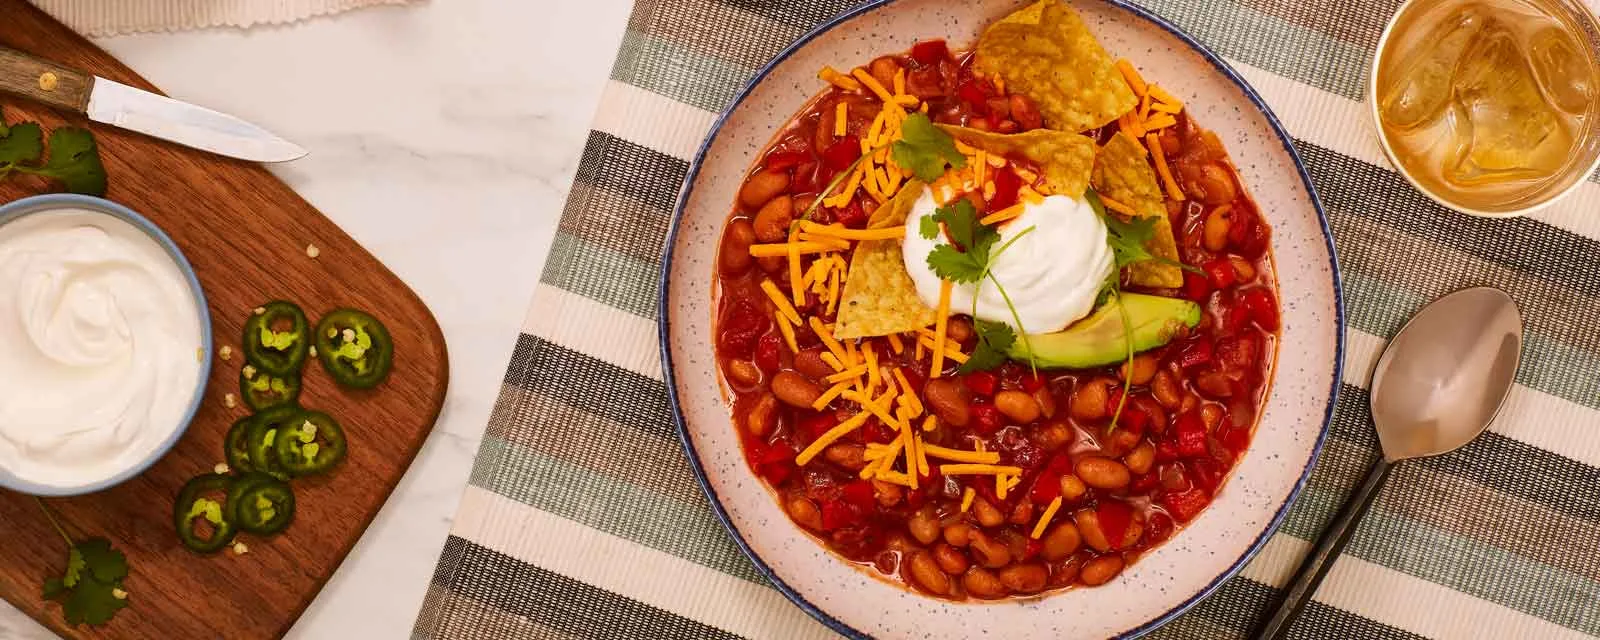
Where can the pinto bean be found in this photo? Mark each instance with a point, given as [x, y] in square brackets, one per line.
[1022, 513]
[1165, 388]
[1072, 487]
[1215, 233]
[1017, 405]
[742, 373]
[1101, 570]
[924, 526]
[772, 222]
[987, 514]
[795, 390]
[810, 363]
[1052, 436]
[805, 512]
[958, 534]
[1089, 528]
[762, 187]
[1025, 112]
[883, 70]
[848, 455]
[1141, 369]
[1103, 473]
[763, 417]
[1140, 459]
[981, 583]
[1089, 400]
[989, 552]
[734, 256]
[959, 329]
[888, 494]
[951, 559]
[1024, 578]
[948, 399]
[1063, 540]
[1047, 402]
[926, 573]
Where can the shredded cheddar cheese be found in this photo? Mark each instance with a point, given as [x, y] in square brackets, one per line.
[797, 286]
[1117, 206]
[788, 334]
[1144, 107]
[1131, 75]
[950, 350]
[1129, 125]
[833, 361]
[1000, 486]
[847, 374]
[966, 499]
[872, 85]
[900, 83]
[895, 344]
[851, 352]
[1044, 520]
[833, 290]
[910, 396]
[841, 115]
[780, 301]
[1028, 195]
[943, 315]
[830, 76]
[1166, 98]
[1161, 121]
[830, 395]
[962, 455]
[1160, 159]
[980, 163]
[1166, 108]
[999, 84]
[827, 339]
[979, 469]
[838, 431]
[931, 423]
[1002, 215]
[781, 249]
[922, 458]
[872, 366]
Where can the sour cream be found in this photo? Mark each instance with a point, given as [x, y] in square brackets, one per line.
[1053, 273]
[100, 343]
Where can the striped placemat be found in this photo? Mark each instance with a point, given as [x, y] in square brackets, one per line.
[582, 519]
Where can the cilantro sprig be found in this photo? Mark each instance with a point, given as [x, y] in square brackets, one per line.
[1129, 239]
[73, 158]
[925, 149]
[90, 590]
[969, 258]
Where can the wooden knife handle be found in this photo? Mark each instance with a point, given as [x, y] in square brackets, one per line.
[52, 84]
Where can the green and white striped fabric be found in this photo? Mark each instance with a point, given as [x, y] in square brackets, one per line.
[582, 519]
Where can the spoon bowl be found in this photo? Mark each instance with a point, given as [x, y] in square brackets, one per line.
[1439, 383]
[1443, 378]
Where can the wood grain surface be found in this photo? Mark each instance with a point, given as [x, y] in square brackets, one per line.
[246, 234]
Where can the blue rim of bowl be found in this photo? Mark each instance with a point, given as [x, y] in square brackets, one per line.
[664, 325]
[16, 210]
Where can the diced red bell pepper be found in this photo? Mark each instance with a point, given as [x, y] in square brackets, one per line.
[777, 473]
[1235, 439]
[840, 155]
[981, 382]
[814, 425]
[859, 494]
[975, 93]
[1191, 434]
[1220, 272]
[1144, 483]
[1031, 549]
[877, 431]
[805, 178]
[1195, 353]
[1046, 487]
[1032, 382]
[1114, 517]
[930, 51]
[1203, 472]
[1167, 451]
[852, 215]
[1246, 233]
[1185, 506]
[784, 160]
[1195, 287]
[775, 453]
[1006, 185]
[1263, 309]
[740, 329]
[766, 356]
[985, 417]
[836, 514]
[1158, 529]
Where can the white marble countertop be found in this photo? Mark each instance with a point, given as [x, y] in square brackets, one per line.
[443, 136]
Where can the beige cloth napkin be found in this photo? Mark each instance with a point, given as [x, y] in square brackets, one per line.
[118, 17]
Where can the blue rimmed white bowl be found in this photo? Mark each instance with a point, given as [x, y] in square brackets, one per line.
[20, 209]
[1165, 582]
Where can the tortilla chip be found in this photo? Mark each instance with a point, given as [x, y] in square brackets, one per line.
[879, 297]
[1064, 159]
[1123, 173]
[1046, 53]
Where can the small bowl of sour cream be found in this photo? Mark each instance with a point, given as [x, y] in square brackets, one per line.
[105, 344]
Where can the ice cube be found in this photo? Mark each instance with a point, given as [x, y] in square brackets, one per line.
[1418, 91]
[1561, 70]
[1508, 129]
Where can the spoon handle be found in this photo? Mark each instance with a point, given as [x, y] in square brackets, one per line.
[1321, 559]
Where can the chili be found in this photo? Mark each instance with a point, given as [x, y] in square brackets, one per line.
[199, 513]
[259, 503]
[355, 348]
[270, 347]
[261, 439]
[261, 390]
[311, 444]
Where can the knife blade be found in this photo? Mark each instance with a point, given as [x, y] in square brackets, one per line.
[135, 109]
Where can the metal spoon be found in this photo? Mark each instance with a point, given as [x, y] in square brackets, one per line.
[1438, 385]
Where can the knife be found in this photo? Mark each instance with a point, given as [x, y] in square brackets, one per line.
[120, 105]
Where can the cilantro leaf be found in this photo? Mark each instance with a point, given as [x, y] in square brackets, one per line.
[1129, 238]
[75, 566]
[53, 588]
[92, 602]
[5, 130]
[967, 264]
[23, 143]
[107, 564]
[74, 160]
[930, 228]
[925, 149]
[994, 338]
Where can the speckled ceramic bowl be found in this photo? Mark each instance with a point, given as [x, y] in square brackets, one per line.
[1163, 583]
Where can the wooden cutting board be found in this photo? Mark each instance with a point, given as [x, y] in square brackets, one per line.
[246, 234]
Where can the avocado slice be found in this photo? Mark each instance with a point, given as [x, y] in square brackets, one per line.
[1097, 340]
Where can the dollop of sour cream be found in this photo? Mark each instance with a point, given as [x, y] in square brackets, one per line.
[99, 346]
[1053, 273]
